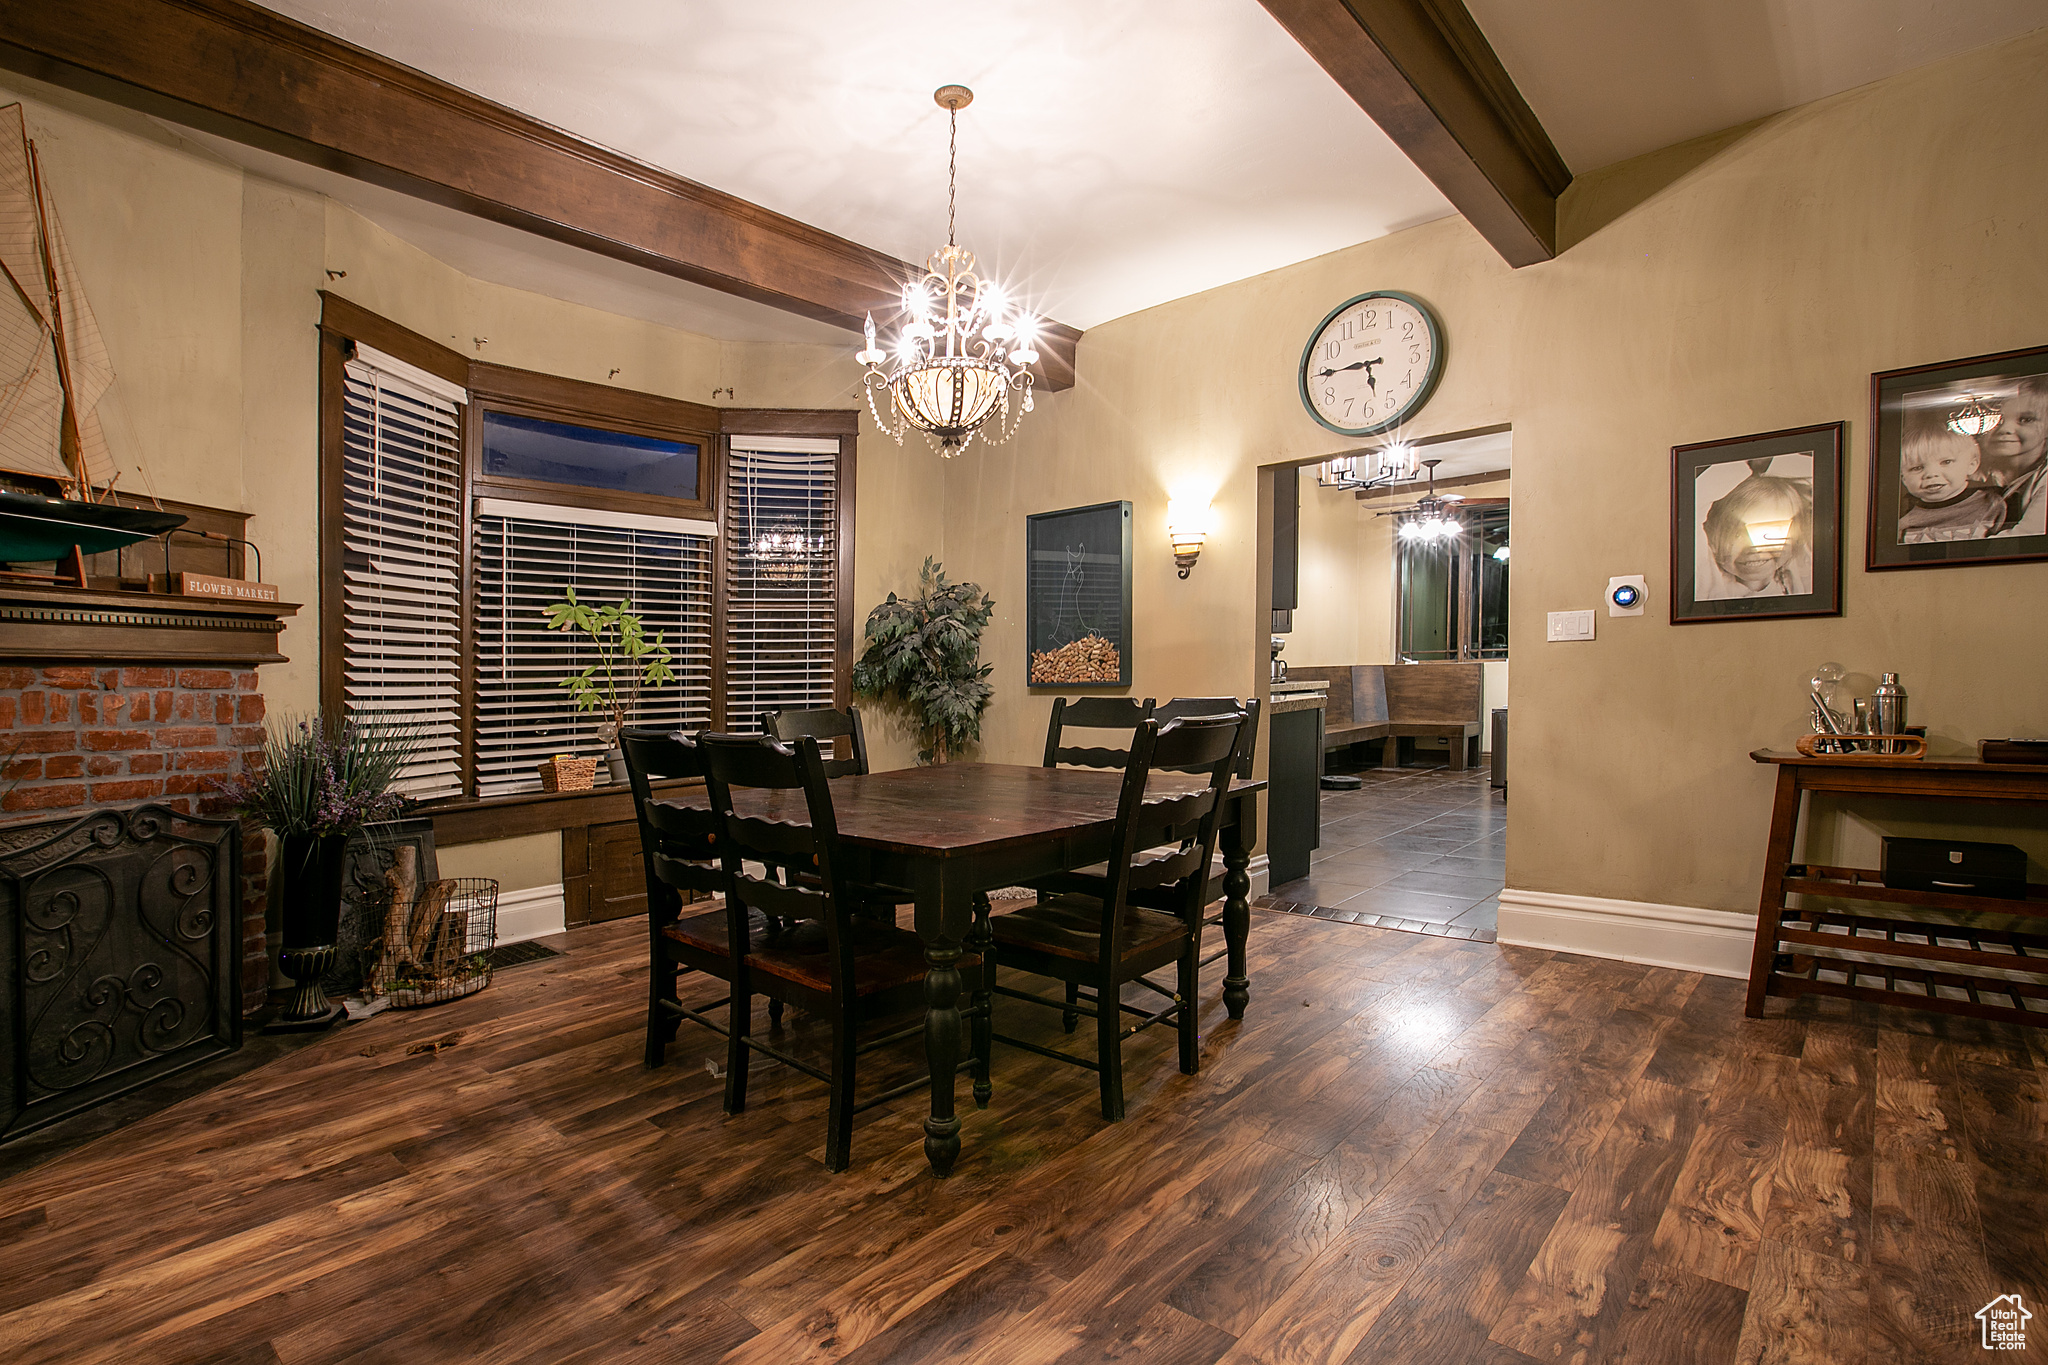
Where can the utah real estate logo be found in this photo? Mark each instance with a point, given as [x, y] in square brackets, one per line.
[2005, 1321]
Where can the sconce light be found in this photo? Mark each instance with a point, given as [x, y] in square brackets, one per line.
[1187, 528]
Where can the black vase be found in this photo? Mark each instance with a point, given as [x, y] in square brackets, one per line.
[309, 876]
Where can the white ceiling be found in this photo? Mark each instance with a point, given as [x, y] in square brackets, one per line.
[1612, 79]
[1118, 154]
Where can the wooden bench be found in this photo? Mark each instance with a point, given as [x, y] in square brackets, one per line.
[1393, 702]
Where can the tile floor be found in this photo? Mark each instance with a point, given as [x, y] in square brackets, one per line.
[1423, 849]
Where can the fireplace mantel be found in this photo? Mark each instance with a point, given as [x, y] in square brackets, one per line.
[63, 624]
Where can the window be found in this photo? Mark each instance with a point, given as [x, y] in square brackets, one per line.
[401, 514]
[457, 511]
[781, 575]
[525, 554]
[1453, 595]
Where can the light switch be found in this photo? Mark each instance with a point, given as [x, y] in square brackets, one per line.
[1571, 625]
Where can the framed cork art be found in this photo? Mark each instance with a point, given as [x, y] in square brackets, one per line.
[1756, 526]
[1077, 597]
[1959, 462]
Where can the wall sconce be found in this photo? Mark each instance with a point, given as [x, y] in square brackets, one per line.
[1187, 527]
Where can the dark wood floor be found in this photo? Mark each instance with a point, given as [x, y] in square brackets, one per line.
[1413, 1149]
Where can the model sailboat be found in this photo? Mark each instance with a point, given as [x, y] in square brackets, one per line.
[53, 373]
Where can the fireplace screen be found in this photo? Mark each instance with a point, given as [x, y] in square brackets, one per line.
[119, 939]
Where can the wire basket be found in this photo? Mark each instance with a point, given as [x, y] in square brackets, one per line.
[437, 947]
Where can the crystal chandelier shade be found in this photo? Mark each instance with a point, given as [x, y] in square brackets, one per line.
[959, 360]
[1975, 417]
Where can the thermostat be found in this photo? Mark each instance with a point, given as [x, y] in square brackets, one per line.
[1625, 595]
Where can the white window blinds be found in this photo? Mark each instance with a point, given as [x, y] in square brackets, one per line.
[781, 576]
[526, 555]
[401, 576]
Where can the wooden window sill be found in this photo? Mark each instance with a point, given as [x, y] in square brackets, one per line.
[474, 820]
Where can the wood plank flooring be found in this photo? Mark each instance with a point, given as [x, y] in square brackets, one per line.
[1412, 1149]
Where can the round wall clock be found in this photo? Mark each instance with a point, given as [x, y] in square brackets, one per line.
[1372, 363]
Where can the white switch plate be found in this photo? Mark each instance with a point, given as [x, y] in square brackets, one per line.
[1633, 580]
[1571, 625]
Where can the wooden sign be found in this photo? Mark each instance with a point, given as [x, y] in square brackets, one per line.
[212, 585]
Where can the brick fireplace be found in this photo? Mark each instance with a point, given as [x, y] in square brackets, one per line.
[113, 700]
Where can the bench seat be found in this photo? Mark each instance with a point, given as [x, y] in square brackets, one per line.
[1393, 702]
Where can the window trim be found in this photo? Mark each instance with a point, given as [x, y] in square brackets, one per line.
[556, 398]
[1461, 606]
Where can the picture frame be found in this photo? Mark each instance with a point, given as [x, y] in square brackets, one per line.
[1077, 588]
[1943, 498]
[1756, 526]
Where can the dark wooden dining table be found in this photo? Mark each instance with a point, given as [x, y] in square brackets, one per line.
[957, 831]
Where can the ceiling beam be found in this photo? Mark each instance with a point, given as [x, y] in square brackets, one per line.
[1428, 77]
[247, 74]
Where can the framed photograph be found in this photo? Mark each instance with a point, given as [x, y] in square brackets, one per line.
[1077, 597]
[1957, 474]
[1756, 527]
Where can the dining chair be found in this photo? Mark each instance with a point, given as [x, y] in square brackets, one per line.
[823, 723]
[1093, 713]
[839, 967]
[1148, 912]
[679, 854]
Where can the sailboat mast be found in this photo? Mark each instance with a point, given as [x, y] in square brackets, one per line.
[69, 447]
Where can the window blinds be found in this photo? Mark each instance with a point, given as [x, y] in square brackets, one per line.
[401, 508]
[526, 555]
[781, 576]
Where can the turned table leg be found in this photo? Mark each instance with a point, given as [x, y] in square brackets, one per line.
[942, 1052]
[1237, 906]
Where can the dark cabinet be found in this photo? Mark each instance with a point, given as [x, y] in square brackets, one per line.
[602, 875]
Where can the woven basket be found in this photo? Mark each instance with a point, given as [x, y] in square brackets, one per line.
[565, 774]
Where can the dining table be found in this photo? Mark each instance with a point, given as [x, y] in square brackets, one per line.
[952, 833]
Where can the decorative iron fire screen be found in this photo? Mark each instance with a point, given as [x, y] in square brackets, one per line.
[119, 940]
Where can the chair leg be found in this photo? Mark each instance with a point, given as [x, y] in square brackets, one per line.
[661, 1023]
[739, 1021]
[839, 1109]
[775, 1014]
[1068, 1019]
[983, 942]
[1109, 1050]
[1190, 989]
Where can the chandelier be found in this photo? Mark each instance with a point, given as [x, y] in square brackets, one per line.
[1975, 417]
[1432, 520]
[1391, 463]
[783, 553]
[959, 359]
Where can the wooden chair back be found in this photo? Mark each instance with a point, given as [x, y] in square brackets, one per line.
[824, 724]
[1444, 693]
[1187, 708]
[678, 844]
[1093, 713]
[1175, 834]
[797, 836]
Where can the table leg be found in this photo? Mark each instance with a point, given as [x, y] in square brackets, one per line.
[942, 1051]
[1237, 906]
[1777, 853]
[983, 941]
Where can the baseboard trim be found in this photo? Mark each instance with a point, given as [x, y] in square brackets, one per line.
[1682, 936]
[1259, 869]
[531, 912]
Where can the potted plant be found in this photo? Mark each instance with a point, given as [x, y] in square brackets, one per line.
[322, 780]
[623, 646]
[925, 652]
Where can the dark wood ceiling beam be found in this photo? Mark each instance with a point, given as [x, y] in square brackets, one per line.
[1426, 74]
[256, 77]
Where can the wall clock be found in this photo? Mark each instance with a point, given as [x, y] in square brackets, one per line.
[1372, 363]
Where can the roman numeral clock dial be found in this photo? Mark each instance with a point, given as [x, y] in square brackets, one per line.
[1372, 363]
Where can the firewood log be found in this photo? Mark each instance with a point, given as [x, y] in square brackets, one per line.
[427, 913]
[401, 885]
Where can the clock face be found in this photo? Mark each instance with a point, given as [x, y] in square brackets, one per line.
[1372, 363]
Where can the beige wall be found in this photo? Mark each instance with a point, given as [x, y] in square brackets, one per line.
[1746, 283]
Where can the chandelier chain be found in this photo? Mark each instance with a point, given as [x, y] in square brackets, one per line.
[952, 170]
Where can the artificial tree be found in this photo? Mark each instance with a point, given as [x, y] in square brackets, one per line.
[622, 643]
[925, 652]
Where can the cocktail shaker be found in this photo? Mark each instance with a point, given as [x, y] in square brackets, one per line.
[1888, 705]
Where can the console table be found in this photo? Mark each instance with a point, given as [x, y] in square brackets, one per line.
[1972, 955]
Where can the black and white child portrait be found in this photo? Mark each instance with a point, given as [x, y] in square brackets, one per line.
[1982, 486]
[1755, 538]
